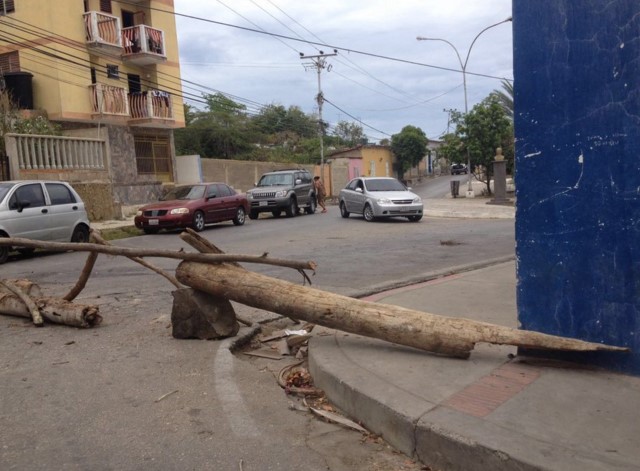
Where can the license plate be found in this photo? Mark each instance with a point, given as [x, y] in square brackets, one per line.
[404, 209]
[154, 222]
[264, 203]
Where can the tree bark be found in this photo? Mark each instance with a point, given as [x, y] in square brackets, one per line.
[54, 310]
[430, 332]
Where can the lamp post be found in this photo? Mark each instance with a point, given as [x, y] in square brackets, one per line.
[463, 66]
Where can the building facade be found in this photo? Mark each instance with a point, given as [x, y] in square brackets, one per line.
[106, 71]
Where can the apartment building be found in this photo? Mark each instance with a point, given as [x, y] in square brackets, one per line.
[108, 72]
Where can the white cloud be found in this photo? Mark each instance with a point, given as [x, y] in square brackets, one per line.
[382, 93]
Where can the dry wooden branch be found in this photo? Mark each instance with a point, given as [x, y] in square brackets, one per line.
[84, 275]
[430, 332]
[180, 255]
[26, 299]
[54, 310]
[144, 263]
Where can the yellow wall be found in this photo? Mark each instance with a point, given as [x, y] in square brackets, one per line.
[377, 162]
[63, 88]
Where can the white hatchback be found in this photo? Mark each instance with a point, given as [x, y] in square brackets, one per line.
[41, 210]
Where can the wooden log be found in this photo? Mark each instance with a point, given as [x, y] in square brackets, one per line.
[430, 332]
[55, 310]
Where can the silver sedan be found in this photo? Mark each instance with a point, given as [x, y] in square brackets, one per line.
[379, 197]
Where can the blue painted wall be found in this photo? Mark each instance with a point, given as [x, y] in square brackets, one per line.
[577, 124]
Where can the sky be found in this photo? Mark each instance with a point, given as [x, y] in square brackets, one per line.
[381, 77]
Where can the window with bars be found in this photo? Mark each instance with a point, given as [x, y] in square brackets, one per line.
[9, 62]
[7, 6]
[153, 156]
[105, 6]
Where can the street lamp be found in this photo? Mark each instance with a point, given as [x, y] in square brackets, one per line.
[463, 66]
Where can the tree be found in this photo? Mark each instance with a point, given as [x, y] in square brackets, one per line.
[505, 98]
[485, 128]
[350, 134]
[409, 147]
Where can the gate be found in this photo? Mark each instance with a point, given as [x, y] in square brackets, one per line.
[4, 167]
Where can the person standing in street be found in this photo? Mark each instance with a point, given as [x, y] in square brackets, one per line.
[321, 193]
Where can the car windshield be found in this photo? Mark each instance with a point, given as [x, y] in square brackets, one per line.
[385, 184]
[4, 189]
[276, 179]
[189, 192]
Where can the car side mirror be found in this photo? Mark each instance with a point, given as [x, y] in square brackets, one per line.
[298, 181]
[359, 190]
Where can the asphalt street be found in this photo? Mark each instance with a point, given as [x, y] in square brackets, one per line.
[126, 395]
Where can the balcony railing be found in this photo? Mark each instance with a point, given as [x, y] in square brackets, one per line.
[34, 152]
[102, 29]
[143, 45]
[109, 100]
[154, 104]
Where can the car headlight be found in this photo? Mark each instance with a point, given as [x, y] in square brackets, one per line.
[179, 211]
[249, 196]
[417, 199]
[281, 193]
[384, 201]
[138, 213]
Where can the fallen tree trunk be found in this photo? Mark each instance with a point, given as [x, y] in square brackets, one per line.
[430, 332]
[55, 310]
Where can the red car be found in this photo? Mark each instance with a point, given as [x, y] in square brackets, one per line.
[193, 206]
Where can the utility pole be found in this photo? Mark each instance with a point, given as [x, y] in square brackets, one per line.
[319, 62]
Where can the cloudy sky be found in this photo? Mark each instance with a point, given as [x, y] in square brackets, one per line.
[381, 76]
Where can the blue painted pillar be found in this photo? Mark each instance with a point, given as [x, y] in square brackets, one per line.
[577, 125]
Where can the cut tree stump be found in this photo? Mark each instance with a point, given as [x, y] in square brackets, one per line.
[430, 332]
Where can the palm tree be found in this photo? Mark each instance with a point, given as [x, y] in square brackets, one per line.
[505, 97]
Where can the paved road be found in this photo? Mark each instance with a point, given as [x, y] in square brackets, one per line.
[128, 396]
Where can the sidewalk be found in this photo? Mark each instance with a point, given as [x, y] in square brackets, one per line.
[493, 411]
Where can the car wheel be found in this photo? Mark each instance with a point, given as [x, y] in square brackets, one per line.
[343, 210]
[414, 218]
[80, 234]
[276, 214]
[4, 252]
[292, 209]
[240, 216]
[312, 206]
[253, 214]
[150, 230]
[368, 213]
[198, 221]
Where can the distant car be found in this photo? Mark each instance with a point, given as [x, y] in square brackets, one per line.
[283, 190]
[41, 210]
[193, 206]
[379, 197]
[459, 169]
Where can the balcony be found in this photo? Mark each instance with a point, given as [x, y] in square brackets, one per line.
[152, 108]
[143, 45]
[103, 32]
[109, 103]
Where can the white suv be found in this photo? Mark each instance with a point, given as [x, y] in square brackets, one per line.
[41, 210]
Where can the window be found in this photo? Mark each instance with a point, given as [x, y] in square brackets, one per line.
[9, 62]
[6, 6]
[105, 6]
[112, 71]
[59, 194]
[223, 190]
[211, 191]
[134, 83]
[153, 156]
[30, 196]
